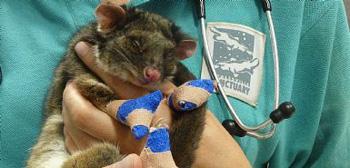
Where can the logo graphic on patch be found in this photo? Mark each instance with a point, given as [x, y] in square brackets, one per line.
[238, 53]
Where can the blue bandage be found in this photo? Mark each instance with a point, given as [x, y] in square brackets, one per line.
[149, 102]
[158, 140]
[184, 106]
[205, 84]
[139, 131]
[170, 102]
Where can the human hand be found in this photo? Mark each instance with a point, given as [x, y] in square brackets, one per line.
[116, 2]
[131, 161]
[218, 145]
[82, 120]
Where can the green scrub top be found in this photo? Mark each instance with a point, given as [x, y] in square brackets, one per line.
[314, 46]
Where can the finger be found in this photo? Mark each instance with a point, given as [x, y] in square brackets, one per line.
[68, 142]
[167, 87]
[222, 145]
[122, 2]
[136, 113]
[131, 161]
[158, 154]
[191, 95]
[86, 116]
[123, 89]
[116, 2]
[85, 52]
[75, 135]
[96, 123]
[163, 115]
[113, 106]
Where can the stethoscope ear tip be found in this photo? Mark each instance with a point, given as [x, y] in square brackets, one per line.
[284, 111]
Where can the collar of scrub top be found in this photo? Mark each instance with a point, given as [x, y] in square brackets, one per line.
[236, 126]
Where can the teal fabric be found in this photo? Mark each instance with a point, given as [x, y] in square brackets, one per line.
[314, 45]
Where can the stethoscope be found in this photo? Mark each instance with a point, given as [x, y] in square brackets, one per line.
[236, 126]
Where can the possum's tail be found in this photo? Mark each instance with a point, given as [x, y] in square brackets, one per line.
[49, 152]
[185, 134]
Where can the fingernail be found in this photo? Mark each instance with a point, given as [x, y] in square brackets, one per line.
[139, 131]
[186, 106]
[69, 82]
[82, 48]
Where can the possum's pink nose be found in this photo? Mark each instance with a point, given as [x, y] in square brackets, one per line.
[152, 74]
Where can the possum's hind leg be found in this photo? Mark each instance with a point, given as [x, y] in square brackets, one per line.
[99, 155]
[50, 151]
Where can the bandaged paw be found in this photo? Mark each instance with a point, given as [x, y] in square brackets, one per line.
[191, 95]
[138, 113]
[157, 152]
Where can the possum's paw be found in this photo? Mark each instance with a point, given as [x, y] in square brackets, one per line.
[191, 95]
[138, 113]
[99, 155]
[157, 152]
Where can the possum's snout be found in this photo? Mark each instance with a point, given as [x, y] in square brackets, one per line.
[151, 74]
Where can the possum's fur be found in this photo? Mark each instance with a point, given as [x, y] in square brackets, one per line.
[143, 39]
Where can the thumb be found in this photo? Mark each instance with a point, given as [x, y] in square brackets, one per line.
[131, 161]
[167, 87]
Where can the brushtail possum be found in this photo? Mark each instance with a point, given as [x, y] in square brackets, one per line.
[140, 47]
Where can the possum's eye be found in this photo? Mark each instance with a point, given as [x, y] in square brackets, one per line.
[169, 54]
[135, 44]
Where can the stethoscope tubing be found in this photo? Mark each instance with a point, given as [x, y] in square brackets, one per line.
[275, 58]
[250, 130]
[254, 131]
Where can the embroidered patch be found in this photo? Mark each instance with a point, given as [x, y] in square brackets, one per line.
[238, 54]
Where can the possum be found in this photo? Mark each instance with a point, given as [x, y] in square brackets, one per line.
[140, 47]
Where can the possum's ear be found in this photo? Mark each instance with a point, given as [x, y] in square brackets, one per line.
[185, 45]
[185, 49]
[109, 15]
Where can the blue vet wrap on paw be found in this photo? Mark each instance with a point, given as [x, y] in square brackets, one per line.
[205, 84]
[186, 106]
[170, 103]
[158, 140]
[149, 102]
[139, 131]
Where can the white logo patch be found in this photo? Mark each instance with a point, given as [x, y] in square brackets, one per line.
[238, 54]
